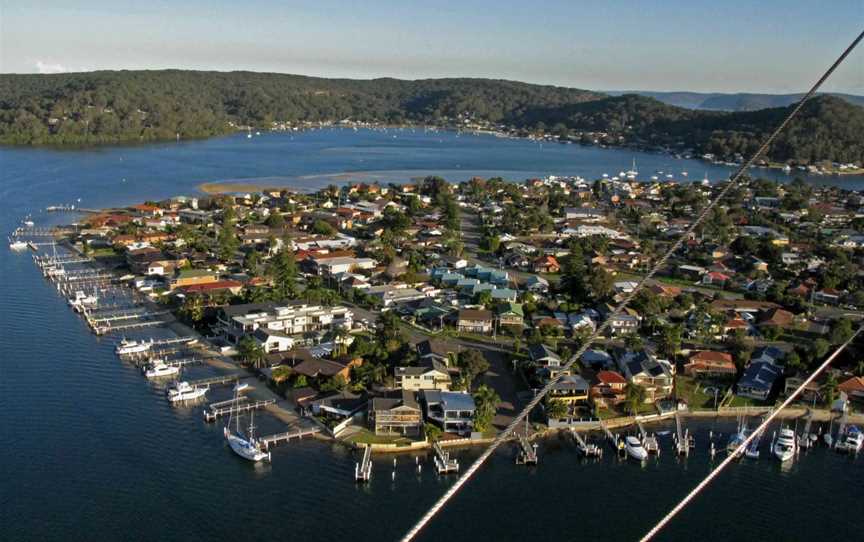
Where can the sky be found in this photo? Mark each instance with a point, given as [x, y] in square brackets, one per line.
[709, 46]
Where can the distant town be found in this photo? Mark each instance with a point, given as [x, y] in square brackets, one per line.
[397, 316]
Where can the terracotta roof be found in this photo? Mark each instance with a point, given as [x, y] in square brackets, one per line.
[711, 356]
[610, 377]
[854, 384]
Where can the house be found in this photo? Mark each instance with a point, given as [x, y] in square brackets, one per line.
[326, 368]
[853, 388]
[608, 389]
[571, 389]
[436, 350]
[715, 278]
[537, 285]
[810, 393]
[829, 296]
[623, 324]
[396, 415]
[192, 277]
[758, 380]
[546, 359]
[452, 411]
[768, 354]
[475, 321]
[431, 376]
[645, 370]
[545, 264]
[290, 318]
[510, 314]
[708, 363]
[597, 359]
[272, 341]
[339, 405]
[776, 318]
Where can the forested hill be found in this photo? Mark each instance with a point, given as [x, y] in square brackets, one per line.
[117, 106]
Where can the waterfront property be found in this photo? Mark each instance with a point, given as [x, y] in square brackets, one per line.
[758, 380]
[452, 411]
[396, 415]
[292, 318]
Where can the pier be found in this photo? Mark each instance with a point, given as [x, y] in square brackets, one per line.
[287, 436]
[804, 440]
[613, 440]
[649, 442]
[443, 463]
[841, 428]
[217, 381]
[363, 470]
[527, 452]
[235, 408]
[585, 448]
[683, 439]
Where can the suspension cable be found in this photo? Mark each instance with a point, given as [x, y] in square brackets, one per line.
[505, 435]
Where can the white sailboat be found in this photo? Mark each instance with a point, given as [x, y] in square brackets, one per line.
[246, 446]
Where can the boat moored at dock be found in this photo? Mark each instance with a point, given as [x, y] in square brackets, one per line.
[183, 391]
[126, 347]
[159, 369]
[784, 446]
[851, 441]
[634, 448]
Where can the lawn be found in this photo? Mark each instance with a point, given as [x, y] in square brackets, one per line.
[692, 391]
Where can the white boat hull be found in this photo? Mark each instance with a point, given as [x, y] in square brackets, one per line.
[245, 449]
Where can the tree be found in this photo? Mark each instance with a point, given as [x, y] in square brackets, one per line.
[634, 395]
[841, 330]
[227, 242]
[473, 364]
[432, 431]
[819, 349]
[192, 309]
[252, 352]
[275, 220]
[334, 383]
[669, 341]
[829, 389]
[252, 262]
[486, 402]
[323, 228]
[284, 272]
[556, 409]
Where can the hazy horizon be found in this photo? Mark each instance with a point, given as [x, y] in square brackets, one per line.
[698, 46]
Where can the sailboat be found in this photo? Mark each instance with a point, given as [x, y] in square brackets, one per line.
[246, 446]
[633, 172]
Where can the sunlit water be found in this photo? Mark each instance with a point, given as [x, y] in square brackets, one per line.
[90, 450]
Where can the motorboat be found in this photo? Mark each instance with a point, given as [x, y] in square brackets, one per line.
[784, 446]
[634, 448]
[160, 369]
[82, 301]
[183, 391]
[132, 347]
[241, 386]
[736, 440]
[852, 440]
[18, 245]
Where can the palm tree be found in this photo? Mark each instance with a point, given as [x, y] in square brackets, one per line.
[252, 352]
[829, 389]
[486, 400]
[634, 396]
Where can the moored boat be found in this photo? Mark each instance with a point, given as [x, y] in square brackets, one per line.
[246, 446]
[132, 347]
[183, 391]
[160, 369]
[634, 448]
[852, 440]
[18, 245]
[784, 446]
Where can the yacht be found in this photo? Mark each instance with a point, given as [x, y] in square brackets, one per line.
[29, 223]
[160, 369]
[737, 439]
[82, 301]
[183, 391]
[852, 440]
[132, 347]
[634, 448]
[246, 446]
[784, 446]
[18, 245]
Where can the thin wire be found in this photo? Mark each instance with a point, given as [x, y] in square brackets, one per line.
[505, 435]
[731, 457]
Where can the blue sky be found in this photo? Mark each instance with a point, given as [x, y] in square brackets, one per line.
[721, 45]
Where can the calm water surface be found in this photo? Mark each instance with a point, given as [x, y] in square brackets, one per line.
[91, 451]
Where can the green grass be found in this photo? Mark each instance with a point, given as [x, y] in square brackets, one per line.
[691, 390]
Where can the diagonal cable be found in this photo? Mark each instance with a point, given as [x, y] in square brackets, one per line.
[505, 435]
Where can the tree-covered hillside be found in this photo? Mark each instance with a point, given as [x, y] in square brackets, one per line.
[117, 106]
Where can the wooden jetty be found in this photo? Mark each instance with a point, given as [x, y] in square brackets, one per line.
[443, 463]
[217, 380]
[287, 436]
[613, 440]
[363, 470]
[585, 448]
[841, 428]
[214, 413]
[804, 439]
[649, 441]
[527, 452]
[103, 330]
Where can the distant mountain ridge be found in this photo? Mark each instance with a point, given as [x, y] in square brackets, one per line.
[723, 101]
[120, 106]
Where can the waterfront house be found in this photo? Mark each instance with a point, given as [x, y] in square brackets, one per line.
[396, 415]
[317, 368]
[645, 370]
[290, 318]
[710, 364]
[339, 405]
[272, 341]
[571, 389]
[853, 388]
[608, 389]
[452, 411]
[758, 380]
[475, 321]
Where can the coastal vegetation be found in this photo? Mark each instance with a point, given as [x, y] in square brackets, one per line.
[141, 106]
